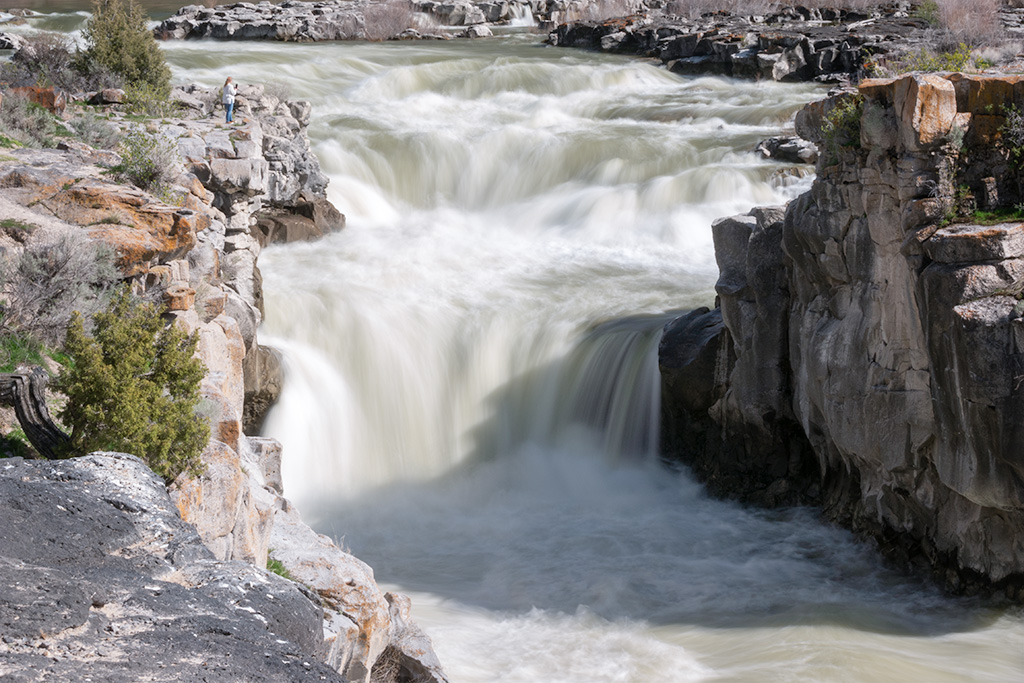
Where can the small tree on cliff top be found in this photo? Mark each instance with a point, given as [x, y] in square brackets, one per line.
[133, 387]
[117, 40]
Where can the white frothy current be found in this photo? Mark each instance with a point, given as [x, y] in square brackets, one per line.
[463, 411]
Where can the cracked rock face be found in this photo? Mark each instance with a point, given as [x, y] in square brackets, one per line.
[890, 345]
[100, 579]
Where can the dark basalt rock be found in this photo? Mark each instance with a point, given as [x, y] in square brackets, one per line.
[100, 579]
[794, 44]
[871, 356]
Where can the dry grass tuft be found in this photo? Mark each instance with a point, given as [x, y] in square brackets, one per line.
[388, 19]
[975, 23]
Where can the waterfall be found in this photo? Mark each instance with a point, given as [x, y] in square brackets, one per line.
[471, 387]
[522, 15]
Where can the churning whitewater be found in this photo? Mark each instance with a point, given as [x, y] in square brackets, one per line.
[471, 400]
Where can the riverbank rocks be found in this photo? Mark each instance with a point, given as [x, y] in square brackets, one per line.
[100, 579]
[357, 19]
[872, 351]
[790, 44]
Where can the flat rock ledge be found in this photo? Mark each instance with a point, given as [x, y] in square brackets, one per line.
[101, 579]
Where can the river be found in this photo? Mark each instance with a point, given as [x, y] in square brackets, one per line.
[471, 394]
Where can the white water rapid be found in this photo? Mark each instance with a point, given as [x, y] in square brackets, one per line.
[471, 392]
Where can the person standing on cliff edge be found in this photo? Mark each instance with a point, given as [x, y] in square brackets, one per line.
[229, 98]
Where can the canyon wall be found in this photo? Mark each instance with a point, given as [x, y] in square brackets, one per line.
[866, 353]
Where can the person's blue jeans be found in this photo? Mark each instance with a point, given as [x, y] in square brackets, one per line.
[230, 108]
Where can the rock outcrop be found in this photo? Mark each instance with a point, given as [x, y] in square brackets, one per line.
[791, 44]
[869, 352]
[346, 19]
[101, 579]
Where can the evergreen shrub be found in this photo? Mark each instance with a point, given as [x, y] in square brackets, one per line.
[133, 386]
[118, 40]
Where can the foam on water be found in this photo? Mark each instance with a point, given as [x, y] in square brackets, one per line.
[471, 396]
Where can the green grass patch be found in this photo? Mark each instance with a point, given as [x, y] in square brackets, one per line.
[1008, 215]
[12, 224]
[9, 143]
[17, 349]
[15, 444]
[276, 567]
[108, 220]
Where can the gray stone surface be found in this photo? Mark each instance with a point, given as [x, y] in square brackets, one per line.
[100, 579]
[789, 44]
[871, 360]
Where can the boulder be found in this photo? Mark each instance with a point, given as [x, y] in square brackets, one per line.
[788, 149]
[361, 629]
[925, 106]
[109, 96]
[53, 100]
[100, 579]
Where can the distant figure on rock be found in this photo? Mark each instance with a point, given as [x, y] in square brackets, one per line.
[229, 98]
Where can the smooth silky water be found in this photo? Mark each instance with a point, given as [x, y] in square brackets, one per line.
[471, 395]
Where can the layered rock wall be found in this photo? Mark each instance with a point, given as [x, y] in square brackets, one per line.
[870, 353]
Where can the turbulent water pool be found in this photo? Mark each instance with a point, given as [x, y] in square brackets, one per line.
[471, 396]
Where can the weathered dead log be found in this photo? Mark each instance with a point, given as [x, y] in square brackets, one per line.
[26, 393]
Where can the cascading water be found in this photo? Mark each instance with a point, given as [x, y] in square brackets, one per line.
[471, 391]
[472, 398]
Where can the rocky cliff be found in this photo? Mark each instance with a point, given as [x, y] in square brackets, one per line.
[235, 188]
[866, 354]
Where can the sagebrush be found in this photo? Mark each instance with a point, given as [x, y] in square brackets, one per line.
[147, 161]
[27, 123]
[840, 128]
[133, 386]
[50, 280]
[51, 59]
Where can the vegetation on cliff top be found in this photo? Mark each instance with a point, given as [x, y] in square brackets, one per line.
[118, 40]
[133, 386]
[119, 52]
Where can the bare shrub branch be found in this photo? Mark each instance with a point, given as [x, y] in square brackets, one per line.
[974, 23]
[52, 279]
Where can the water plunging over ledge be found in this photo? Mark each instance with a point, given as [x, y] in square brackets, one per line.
[471, 392]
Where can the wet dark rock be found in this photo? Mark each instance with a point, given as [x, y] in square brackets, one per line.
[100, 578]
[793, 44]
[788, 149]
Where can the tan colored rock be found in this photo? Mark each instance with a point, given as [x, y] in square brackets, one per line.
[362, 625]
[877, 89]
[51, 99]
[140, 228]
[180, 297]
[925, 106]
[988, 94]
[215, 500]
